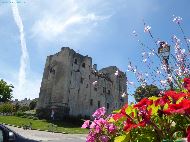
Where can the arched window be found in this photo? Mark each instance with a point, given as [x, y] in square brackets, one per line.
[83, 65]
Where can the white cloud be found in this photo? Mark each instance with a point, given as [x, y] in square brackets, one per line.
[30, 90]
[50, 28]
[24, 59]
[31, 87]
[66, 19]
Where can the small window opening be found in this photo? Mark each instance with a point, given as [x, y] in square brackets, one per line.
[81, 80]
[104, 90]
[83, 65]
[75, 61]
[108, 105]
[91, 102]
[98, 103]
[108, 91]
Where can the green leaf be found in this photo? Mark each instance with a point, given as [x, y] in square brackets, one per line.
[122, 138]
[178, 101]
[117, 111]
[129, 110]
[154, 98]
[165, 106]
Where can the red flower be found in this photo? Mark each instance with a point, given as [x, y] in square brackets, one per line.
[182, 108]
[118, 116]
[128, 125]
[124, 108]
[187, 83]
[162, 101]
[174, 95]
[143, 102]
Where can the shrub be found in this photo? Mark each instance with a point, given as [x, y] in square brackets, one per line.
[6, 108]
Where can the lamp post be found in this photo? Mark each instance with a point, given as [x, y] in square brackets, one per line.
[164, 52]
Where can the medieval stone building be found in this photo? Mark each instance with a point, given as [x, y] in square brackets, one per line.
[72, 86]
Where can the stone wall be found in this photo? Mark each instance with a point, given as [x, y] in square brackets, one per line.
[68, 83]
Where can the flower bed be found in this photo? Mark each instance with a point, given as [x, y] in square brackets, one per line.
[153, 119]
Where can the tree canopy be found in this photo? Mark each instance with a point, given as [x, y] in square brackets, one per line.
[5, 91]
[147, 91]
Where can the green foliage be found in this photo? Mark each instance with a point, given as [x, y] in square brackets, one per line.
[6, 108]
[122, 138]
[33, 104]
[5, 91]
[147, 91]
[24, 108]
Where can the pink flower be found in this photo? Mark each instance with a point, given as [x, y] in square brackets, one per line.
[99, 112]
[86, 124]
[104, 138]
[147, 29]
[111, 128]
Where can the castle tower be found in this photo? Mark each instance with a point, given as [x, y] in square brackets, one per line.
[71, 85]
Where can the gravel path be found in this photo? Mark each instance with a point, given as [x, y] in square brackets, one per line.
[49, 136]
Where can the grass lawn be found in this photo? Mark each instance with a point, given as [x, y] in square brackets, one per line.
[43, 125]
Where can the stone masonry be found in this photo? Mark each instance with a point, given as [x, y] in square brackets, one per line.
[72, 86]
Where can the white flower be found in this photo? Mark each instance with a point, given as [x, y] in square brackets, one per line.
[170, 78]
[130, 67]
[143, 53]
[130, 83]
[163, 82]
[144, 60]
[158, 72]
[147, 29]
[94, 83]
[177, 19]
[123, 95]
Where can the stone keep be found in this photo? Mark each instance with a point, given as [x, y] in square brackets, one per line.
[72, 86]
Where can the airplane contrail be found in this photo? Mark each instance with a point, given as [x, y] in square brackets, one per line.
[24, 60]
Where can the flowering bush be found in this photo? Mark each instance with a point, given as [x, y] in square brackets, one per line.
[153, 119]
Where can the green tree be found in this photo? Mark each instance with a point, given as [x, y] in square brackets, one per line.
[33, 104]
[6, 108]
[5, 91]
[147, 91]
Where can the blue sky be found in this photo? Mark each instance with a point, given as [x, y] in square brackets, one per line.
[98, 28]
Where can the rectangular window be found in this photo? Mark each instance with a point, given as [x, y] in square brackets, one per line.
[91, 102]
[78, 90]
[108, 105]
[81, 80]
[95, 89]
[75, 61]
[98, 104]
[86, 85]
[104, 90]
[108, 91]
